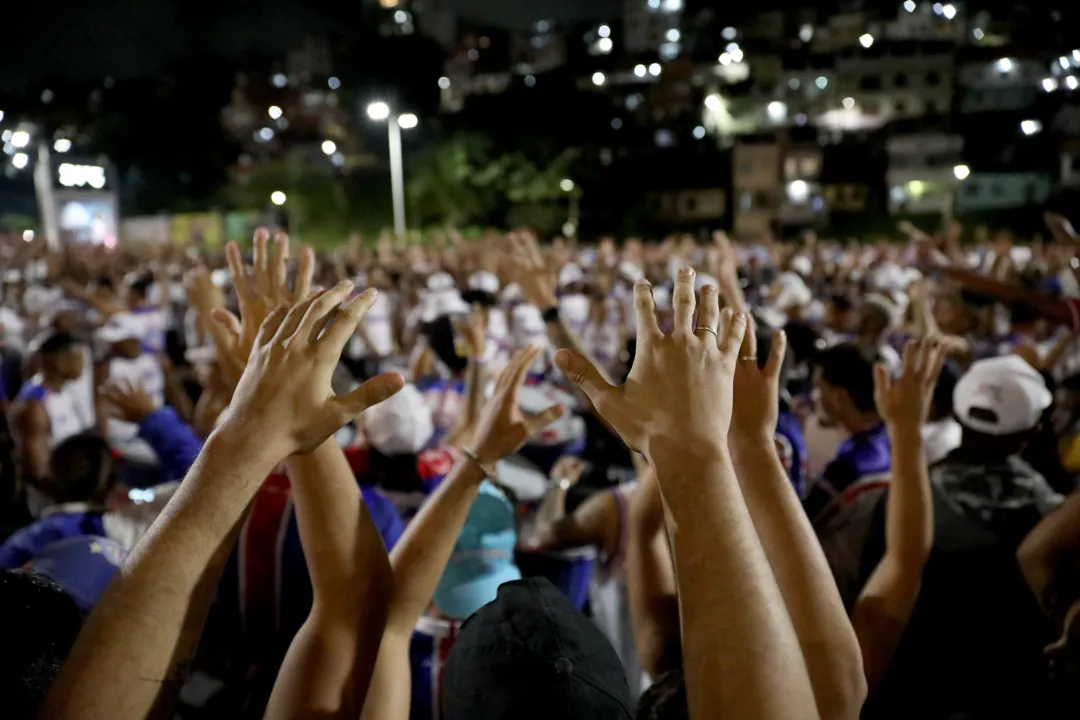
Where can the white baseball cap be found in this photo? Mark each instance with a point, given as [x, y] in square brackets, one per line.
[570, 274]
[484, 281]
[121, 326]
[440, 281]
[401, 425]
[1001, 396]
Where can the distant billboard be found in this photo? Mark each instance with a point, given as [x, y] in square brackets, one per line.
[198, 230]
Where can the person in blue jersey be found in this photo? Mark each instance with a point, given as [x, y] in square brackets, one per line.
[83, 565]
[840, 502]
[84, 491]
[43, 414]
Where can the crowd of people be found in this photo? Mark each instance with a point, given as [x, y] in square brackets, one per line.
[499, 478]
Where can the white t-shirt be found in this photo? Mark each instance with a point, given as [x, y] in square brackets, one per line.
[378, 323]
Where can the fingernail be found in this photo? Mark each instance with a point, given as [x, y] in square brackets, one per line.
[687, 273]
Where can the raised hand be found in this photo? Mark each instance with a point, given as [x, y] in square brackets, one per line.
[502, 427]
[258, 293]
[127, 401]
[680, 387]
[528, 269]
[904, 402]
[568, 468]
[284, 398]
[757, 390]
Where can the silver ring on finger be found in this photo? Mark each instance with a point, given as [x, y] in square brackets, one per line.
[708, 329]
[749, 358]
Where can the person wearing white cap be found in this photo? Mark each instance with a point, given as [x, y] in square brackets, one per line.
[999, 403]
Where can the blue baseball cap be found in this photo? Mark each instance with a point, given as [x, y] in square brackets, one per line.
[83, 566]
[483, 557]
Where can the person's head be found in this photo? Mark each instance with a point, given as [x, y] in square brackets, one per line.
[531, 653]
[378, 278]
[844, 384]
[61, 357]
[839, 313]
[1000, 403]
[876, 317]
[122, 335]
[951, 314]
[665, 699]
[138, 289]
[65, 321]
[1023, 318]
[42, 622]
[483, 556]
[83, 470]
[400, 425]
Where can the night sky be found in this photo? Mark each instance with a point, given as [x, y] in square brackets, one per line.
[84, 41]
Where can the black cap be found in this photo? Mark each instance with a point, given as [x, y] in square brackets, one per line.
[530, 654]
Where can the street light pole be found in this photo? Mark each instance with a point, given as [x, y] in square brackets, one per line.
[43, 185]
[397, 179]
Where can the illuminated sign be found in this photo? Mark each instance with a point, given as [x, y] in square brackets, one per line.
[82, 176]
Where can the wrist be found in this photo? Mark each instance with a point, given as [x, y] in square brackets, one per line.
[244, 449]
[906, 433]
[672, 455]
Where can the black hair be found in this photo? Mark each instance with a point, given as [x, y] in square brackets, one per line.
[42, 623]
[105, 282]
[141, 285]
[1022, 313]
[665, 699]
[440, 337]
[480, 297]
[82, 468]
[57, 343]
[841, 302]
[397, 473]
[850, 366]
[941, 403]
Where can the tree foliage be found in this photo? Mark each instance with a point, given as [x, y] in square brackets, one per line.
[464, 181]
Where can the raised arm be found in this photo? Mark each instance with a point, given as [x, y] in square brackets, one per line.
[650, 581]
[741, 657]
[420, 556]
[826, 637]
[131, 656]
[885, 605]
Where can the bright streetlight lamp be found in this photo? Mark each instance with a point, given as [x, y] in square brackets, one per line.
[275, 112]
[62, 145]
[20, 160]
[329, 147]
[277, 197]
[961, 172]
[380, 111]
[566, 185]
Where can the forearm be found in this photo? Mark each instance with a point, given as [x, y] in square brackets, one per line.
[650, 583]
[342, 548]
[420, 556]
[147, 625]
[552, 510]
[329, 664]
[738, 630]
[1051, 546]
[802, 573]
[909, 518]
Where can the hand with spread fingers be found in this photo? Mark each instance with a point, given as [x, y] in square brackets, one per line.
[757, 390]
[680, 387]
[127, 401]
[258, 292]
[530, 271]
[904, 402]
[503, 427]
[284, 397]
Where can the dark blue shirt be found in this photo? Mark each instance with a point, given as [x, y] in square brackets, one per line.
[861, 459]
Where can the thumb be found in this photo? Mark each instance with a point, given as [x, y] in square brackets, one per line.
[578, 368]
[373, 392]
[542, 419]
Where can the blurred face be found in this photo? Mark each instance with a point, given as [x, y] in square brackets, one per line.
[830, 401]
[836, 319]
[950, 315]
[64, 321]
[70, 363]
[130, 348]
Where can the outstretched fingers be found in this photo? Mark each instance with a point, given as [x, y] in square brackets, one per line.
[683, 302]
[648, 328]
[374, 391]
[732, 332]
[582, 373]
